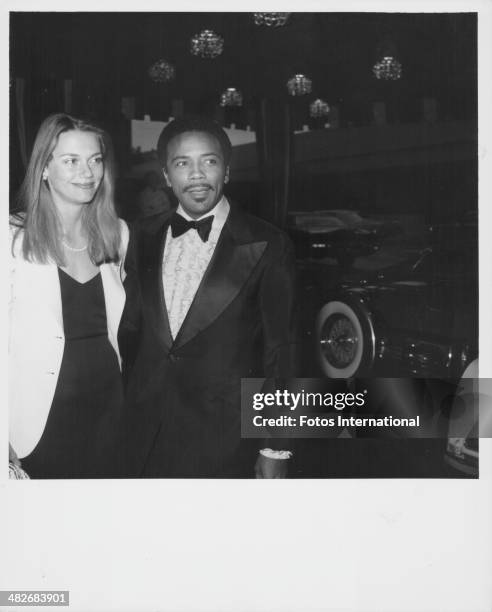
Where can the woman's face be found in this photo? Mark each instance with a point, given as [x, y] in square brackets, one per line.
[76, 168]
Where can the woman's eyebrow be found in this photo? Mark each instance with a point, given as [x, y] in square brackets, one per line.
[77, 154]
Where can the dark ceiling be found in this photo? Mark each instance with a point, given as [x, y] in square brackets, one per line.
[107, 56]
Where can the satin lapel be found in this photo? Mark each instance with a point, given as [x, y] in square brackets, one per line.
[228, 271]
[152, 251]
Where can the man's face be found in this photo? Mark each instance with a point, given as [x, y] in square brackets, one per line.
[196, 171]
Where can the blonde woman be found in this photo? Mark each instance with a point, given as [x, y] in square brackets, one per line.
[66, 301]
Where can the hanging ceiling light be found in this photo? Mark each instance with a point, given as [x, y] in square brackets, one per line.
[387, 68]
[161, 71]
[271, 19]
[231, 97]
[207, 44]
[299, 85]
[319, 108]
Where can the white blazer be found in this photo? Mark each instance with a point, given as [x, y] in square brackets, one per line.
[37, 341]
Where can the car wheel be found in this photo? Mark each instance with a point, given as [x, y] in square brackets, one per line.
[344, 340]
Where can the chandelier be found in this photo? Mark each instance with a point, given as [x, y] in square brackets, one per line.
[299, 85]
[319, 108]
[388, 69]
[231, 97]
[271, 19]
[161, 71]
[207, 44]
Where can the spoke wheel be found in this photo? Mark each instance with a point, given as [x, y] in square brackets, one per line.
[339, 340]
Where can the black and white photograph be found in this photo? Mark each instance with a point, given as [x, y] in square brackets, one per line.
[247, 246]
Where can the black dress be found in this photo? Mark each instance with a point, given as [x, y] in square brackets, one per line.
[83, 435]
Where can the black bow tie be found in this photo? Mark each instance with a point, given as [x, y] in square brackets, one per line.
[179, 226]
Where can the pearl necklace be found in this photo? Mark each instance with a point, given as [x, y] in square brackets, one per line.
[73, 249]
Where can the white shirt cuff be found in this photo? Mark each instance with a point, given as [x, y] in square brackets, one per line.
[275, 454]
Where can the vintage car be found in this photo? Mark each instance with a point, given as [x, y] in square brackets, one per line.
[341, 234]
[419, 318]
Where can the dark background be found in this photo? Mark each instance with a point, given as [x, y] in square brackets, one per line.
[107, 55]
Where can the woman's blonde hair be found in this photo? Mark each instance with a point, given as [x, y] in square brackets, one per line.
[42, 231]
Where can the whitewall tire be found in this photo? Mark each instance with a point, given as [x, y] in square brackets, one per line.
[344, 339]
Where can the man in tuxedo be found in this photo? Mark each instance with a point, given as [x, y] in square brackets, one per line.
[215, 295]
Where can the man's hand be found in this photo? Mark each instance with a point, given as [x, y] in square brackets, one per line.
[270, 468]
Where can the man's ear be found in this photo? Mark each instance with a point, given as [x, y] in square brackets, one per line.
[168, 183]
[226, 176]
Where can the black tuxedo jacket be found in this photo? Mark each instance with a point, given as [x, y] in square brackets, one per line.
[183, 408]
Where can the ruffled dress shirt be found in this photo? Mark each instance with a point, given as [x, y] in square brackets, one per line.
[186, 258]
